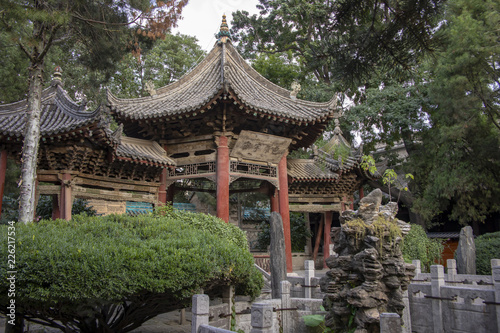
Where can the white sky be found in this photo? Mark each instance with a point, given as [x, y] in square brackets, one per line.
[202, 18]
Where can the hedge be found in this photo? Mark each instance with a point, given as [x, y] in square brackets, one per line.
[101, 274]
[487, 248]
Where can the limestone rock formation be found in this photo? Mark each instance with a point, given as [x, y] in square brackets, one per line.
[368, 274]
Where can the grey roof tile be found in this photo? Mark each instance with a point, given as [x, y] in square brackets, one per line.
[59, 115]
[223, 65]
[143, 150]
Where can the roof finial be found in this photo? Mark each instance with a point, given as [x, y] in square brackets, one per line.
[57, 77]
[224, 35]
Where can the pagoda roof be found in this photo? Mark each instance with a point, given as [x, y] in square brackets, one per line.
[59, 115]
[223, 71]
[142, 150]
[309, 170]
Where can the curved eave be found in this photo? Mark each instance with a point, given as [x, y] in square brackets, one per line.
[222, 71]
[60, 116]
[143, 152]
[192, 92]
[257, 93]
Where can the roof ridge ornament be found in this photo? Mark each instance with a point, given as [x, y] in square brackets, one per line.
[224, 35]
[295, 90]
[57, 77]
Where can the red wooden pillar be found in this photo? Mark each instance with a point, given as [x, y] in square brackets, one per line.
[56, 212]
[285, 211]
[162, 191]
[361, 193]
[326, 237]
[170, 193]
[274, 199]
[3, 170]
[65, 199]
[223, 179]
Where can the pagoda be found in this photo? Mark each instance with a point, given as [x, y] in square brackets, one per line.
[222, 128]
[79, 155]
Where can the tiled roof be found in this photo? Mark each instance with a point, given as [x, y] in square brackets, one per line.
[309, 170]
[59, 115]
[143, 150]
[223, 70]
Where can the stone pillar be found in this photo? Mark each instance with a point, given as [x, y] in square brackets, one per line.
[451, 264]
[406, 313]
[277, 254]
[261, 318]
[466, 252]
[200, 312]
[286, 303]
[223, 178]
[390, 323]
[228, 297]
[417, 265]
[66, 198]
[308, 275]
[3, 170]
[285, 211]
[437, 281]
[495, 272]
[326, 237]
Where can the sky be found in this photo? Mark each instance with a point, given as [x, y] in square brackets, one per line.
[202, 18]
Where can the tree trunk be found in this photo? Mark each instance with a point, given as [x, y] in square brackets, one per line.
[30, 147]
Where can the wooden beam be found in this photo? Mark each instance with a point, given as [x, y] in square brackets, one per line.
[312, 208]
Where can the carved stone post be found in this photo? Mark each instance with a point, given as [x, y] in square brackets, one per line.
[285, 211]
[437, 281]
[200, 311]
[286, 303]
[390, 323]
[308, 275]
[262, 318]
[495, 272]
[223, 178]
[66, 198]
[3, 170]
[451, 264]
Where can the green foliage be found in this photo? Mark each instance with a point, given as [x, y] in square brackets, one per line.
[391, 112]
[317, 323]
[298, 232]
[340, 41]
[279, 69]
[487, 248]
[417, 246]
[460, 159]
[97, 274]
[166, 61]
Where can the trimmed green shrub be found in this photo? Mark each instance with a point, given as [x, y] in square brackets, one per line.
[417, 245]
[487, 248]
[113, 273]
